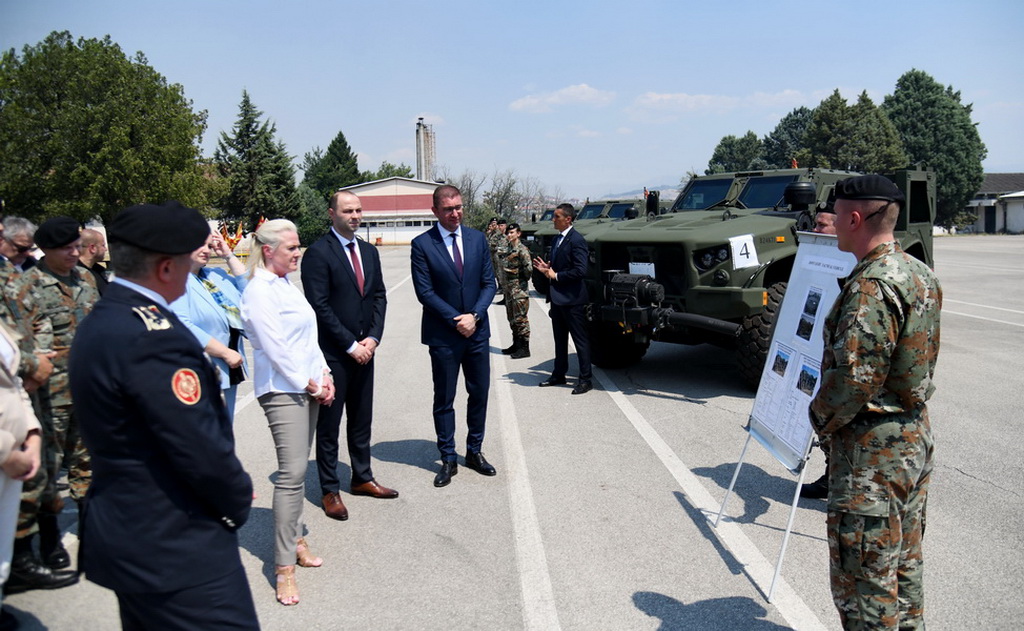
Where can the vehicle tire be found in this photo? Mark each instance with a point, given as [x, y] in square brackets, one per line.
[755, 336]
[610, 348]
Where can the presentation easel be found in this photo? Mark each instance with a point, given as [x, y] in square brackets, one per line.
[792, 371]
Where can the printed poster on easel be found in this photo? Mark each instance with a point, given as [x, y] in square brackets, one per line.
[792, 371]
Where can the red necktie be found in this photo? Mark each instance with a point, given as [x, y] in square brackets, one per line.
[355, 266]
[456, 254]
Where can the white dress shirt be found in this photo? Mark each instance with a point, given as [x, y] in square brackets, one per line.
[282, 329]
[446, 235]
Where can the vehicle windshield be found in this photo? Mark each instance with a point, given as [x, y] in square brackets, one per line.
[702, 194]
[618, 211]
[765, 192]
[590, 211]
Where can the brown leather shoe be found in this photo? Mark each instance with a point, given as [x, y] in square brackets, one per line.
[334, 507]
[373, 489]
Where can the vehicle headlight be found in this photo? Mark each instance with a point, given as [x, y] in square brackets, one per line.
[707, 258]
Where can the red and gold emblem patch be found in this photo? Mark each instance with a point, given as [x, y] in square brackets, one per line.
[185, 385]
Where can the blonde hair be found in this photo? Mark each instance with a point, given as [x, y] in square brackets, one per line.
[268, 234]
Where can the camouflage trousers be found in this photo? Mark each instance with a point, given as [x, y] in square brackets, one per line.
[517, 306]
[38, 494]
[879, 470]
[67, 445]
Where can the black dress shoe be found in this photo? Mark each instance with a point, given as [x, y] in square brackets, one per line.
[478, 463]
[27, 572]
[583, 386]
[59, 559]
[444, 476]
[553, 381]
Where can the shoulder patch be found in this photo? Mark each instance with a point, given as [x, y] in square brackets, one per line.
[185, 385]
[152, 318]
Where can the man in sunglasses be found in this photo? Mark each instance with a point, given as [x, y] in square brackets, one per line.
[881, 344]
[17, 243]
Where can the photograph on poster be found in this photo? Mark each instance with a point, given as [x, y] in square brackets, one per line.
[805, 326]
[807, 380]
[812, 301]
[780, 363]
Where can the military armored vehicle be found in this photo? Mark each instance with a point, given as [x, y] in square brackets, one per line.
[593, 216]
[674, 277]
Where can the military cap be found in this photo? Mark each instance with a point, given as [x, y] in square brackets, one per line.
[167, 228]
[57, 232]
[493, 220]
[513, 226]
[502, 221]
[869, 187]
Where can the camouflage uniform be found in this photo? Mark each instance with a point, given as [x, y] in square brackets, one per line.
[518, 267]
[17, 310]
[498, 244]
[881, 344]
[61, 303]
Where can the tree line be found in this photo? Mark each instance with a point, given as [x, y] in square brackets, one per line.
[921, 123]
[86, 130]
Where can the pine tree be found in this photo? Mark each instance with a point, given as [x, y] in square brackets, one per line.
[938, 133]
[737, 154]
[326, 172]
[872, 143]
[827, 133]
[787, 139]
[259, 170]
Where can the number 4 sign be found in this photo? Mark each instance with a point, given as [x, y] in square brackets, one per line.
[743, 252]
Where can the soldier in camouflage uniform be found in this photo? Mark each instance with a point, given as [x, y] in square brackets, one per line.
[881, 344]
[517, 267]
[498, 244]
[62, 295]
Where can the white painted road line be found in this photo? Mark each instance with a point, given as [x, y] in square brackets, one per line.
[974, 304]
[967, 315]
[539, 612]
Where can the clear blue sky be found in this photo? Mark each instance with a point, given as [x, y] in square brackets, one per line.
[589, 98]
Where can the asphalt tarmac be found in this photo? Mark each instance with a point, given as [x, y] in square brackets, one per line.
[599, 515]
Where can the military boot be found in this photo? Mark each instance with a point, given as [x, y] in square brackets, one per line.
[513, 348]
[27, 572]
[523, 350]
[51, 549]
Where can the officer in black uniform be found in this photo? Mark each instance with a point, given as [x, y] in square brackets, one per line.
[168, 493]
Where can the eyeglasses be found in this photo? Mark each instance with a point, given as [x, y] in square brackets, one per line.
[20, 249]
[451, 209]
[881, 210]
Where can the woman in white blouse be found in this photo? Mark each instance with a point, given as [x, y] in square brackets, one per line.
[291, 381]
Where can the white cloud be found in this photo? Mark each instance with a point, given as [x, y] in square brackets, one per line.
[580, 94]
[656, 103]
[624, 131]
[588, 133]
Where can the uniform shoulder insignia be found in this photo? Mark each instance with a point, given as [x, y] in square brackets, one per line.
[152, 318]
[185, 385]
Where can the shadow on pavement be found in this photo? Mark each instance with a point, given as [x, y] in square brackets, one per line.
[414, 452]
[755, 487]
[730, 613]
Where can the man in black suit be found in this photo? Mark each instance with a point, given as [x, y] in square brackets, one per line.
[454, 281]
[168, 493]
[343, 281]
[568, 297]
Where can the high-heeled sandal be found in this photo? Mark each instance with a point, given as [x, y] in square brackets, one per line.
[304, 557]
[287, 590]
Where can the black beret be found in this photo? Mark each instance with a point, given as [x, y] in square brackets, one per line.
[502, 221]
[513, 226]
[57, 232]
[869, 187]
[168, 228]
[493, 220]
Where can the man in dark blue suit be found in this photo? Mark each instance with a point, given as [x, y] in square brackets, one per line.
[343, 281]
[168, 493]
[454, 281]
[568, 297]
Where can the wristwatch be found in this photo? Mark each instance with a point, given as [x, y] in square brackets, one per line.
[476, 316]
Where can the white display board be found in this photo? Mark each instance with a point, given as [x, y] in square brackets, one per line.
[792, 371]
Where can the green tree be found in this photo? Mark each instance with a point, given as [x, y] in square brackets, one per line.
[313, 221]
[873, 145]
[737, 154]
[261, 178]
[826, 134]
[937, 131]
[86, 131]
[387, 170]
[783, 144]
[328, 171]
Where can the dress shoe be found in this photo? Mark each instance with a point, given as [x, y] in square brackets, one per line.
[334, 507]
[817, 490]
[444, 476]
[373, 489]
[28, 572]
[553, 381]
[583, 386]
[478, 463]
[59, 559]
